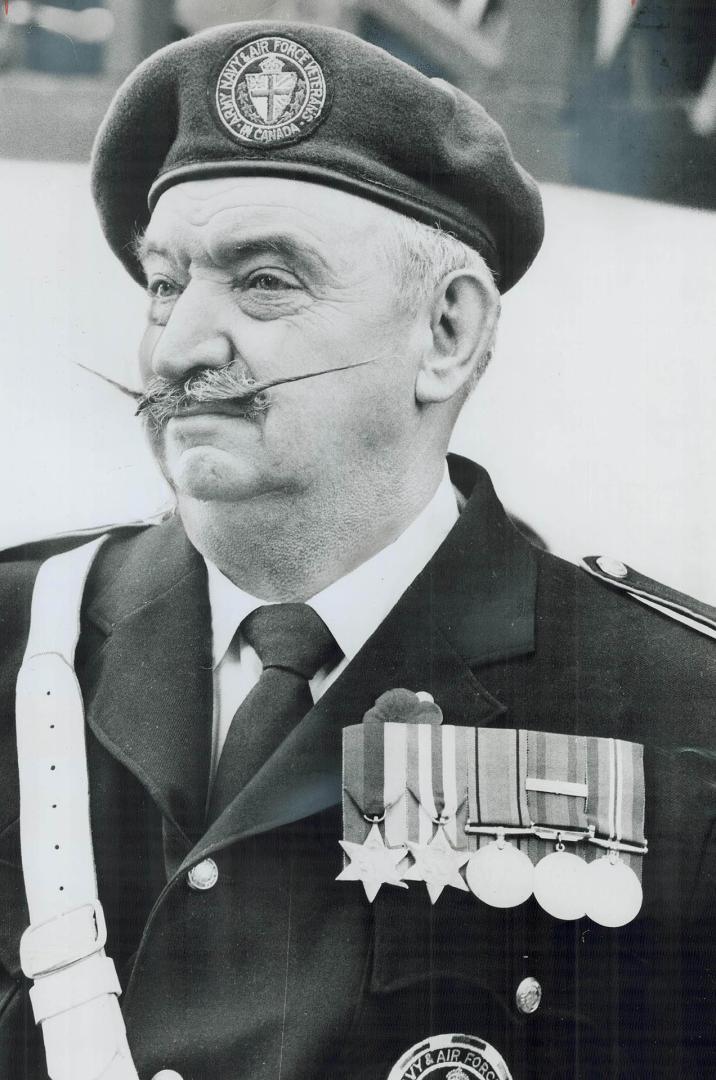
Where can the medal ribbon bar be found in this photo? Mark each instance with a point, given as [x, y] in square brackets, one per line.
[436, 775]
[423, 799]
[374, 780]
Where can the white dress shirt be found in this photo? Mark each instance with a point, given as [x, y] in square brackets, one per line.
[352, 608]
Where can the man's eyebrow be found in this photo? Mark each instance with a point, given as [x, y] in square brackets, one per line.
[233, 248]
[143, 247]
[276, 242]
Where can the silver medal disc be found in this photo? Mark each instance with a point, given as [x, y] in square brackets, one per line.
[559, 885]
[501, 876]
[613, 894]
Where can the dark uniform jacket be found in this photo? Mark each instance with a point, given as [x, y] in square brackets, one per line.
[279, 970]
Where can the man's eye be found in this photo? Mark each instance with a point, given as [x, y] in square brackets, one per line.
[268, 281]
[161, 289]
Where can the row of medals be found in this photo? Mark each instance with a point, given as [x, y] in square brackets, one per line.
[502, 876]
[563, 884]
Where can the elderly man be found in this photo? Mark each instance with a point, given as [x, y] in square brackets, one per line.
[375, 787]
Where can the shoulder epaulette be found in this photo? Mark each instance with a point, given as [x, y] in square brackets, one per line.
[82, 535]
[677, 605]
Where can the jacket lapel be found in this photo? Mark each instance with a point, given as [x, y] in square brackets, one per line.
[148, 687]
[484, 577]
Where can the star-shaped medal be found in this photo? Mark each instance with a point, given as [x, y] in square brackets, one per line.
[437, 864]
[372, 863]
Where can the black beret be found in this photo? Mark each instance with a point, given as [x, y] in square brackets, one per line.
[317, 104]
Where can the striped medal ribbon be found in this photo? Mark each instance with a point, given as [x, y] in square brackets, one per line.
[498, 873]
[373, 789]
[556, 787]
[615, 810]
[436, 782]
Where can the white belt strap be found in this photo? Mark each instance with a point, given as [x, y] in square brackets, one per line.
[75, 990]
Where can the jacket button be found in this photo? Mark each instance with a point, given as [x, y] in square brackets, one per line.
[202, 876]
[528, 996]
[167, 1074]
[613, 567]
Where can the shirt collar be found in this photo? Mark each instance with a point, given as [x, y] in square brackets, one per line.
[229, 607]
[356, 604]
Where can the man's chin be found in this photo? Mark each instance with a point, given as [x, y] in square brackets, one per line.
[207, 474]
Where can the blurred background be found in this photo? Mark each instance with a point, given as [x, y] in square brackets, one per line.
[597, 417]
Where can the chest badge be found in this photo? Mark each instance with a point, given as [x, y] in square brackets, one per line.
[451, 1057]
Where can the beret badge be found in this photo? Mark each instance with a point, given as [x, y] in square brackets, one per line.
[271, 91]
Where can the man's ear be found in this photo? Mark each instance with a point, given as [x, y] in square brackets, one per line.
[463, 317]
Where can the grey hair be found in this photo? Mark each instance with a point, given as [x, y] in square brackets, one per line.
[420, 256]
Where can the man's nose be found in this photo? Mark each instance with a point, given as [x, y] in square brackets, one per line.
[194, 336]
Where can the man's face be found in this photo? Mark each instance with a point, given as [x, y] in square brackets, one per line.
[278, 278]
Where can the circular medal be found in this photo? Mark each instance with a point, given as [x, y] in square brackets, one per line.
[613, 894]
[500, 875]
[559, 885]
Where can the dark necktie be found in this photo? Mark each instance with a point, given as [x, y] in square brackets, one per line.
[293, 643]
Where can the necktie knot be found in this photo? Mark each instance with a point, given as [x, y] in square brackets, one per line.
[290, 636]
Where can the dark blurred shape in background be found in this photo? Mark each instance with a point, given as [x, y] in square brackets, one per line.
[618, 95]
[68, 36]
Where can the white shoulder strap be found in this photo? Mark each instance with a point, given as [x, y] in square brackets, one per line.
[75, 989]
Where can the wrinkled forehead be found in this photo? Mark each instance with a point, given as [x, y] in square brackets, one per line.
[213, 212]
